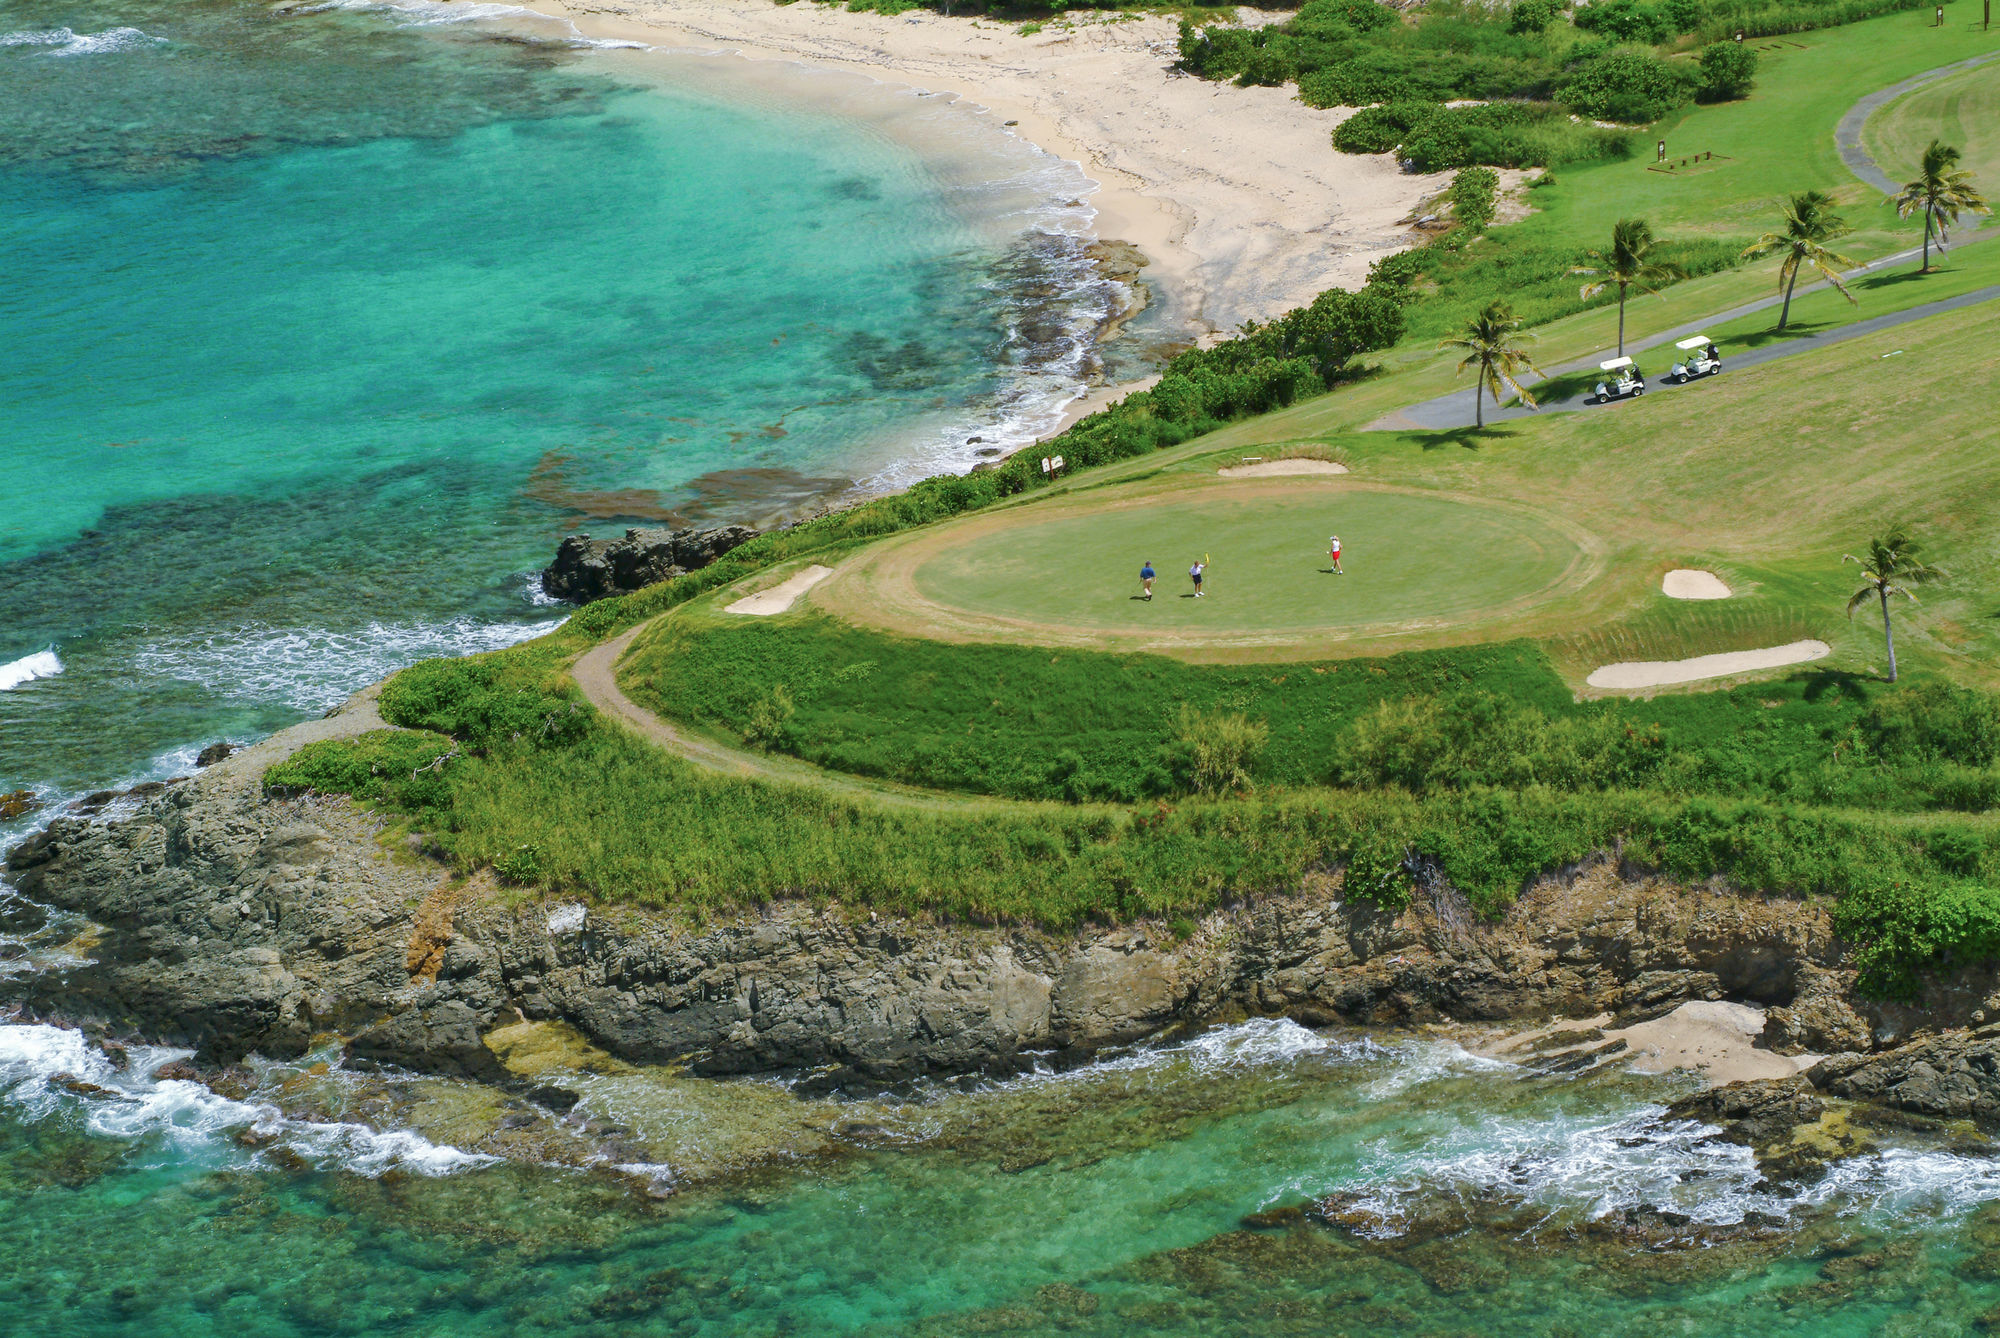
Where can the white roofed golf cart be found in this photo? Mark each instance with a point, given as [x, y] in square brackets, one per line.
[1701, 359]
[1625, 380]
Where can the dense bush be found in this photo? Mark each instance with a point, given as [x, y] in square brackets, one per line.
[1640, 20]
[1474, 196]
[406, 769]
[473, 701]
[1627, 85]
[1431, 137]
[1903, 927]
[1213, 751]
[1728, 70]
[1935, 722]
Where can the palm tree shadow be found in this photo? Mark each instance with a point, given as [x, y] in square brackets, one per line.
[1465, 438]
[1821, 683]
[1895, 276]
[1796, 330]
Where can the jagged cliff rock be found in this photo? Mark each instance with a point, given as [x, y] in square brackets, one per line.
[234, 921]
[1952, 1076]
[586, 569]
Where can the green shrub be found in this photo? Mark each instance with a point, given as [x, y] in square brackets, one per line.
[1900, 929]
[1213, 751]
[1376, 869]
[1627, 85]
[1474, 196]
[1381, 128]
[1935, 722]
[770, 718]
[1728, 71]
[400, 766]
[472, 700]
[1531, 16]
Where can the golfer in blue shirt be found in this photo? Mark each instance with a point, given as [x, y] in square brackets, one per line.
[1146, 575]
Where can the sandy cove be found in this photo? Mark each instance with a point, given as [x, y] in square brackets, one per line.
[1236, 194]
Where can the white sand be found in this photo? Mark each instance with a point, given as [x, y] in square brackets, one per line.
[1235, 194]
[1687, 583]
[782, 596]
[1719, 1039]
[1264, 469]
[1662, 673]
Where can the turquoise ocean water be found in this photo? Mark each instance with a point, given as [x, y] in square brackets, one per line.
[320, 326]
[323, 325]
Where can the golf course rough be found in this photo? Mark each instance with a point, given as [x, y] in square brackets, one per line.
[1067, 573]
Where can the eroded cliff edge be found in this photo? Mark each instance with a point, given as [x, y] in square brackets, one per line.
[233, 921]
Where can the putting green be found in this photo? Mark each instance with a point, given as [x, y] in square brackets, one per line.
[1068, 571]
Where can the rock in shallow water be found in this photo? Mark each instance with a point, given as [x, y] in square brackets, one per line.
[588, 569]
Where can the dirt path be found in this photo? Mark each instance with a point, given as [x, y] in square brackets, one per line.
[596, 678]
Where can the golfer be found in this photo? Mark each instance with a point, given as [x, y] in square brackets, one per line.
[1333, 552]
[1195, 572]
[1146, 575]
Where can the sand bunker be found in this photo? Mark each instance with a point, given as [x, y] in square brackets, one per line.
[1662, 673]
[1686, 583]
[1264, 469]
[783, 595]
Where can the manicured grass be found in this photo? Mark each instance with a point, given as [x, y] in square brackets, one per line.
[1407, 557]
[1775, 143]
[1962, 109]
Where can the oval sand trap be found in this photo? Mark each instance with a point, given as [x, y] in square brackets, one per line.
[1265, 469]
[1664, 673]
[1687, 583]
[781, 596]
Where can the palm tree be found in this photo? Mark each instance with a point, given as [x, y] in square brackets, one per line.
[1891, 568]
[1629, 264]
[1485, 339]
[1810, 223]
[1940, 194]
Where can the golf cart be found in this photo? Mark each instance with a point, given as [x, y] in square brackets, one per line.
[1626, 381]
[1701, 359]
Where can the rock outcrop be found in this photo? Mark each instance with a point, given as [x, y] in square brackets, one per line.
[236, 921]
[1954, 1075]
[586, 569]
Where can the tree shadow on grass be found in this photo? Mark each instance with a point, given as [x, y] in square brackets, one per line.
[1759, 338]
[1820, 683]
[1890, 278]
[1467, 438]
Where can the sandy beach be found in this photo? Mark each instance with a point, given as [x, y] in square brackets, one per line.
[1236, 194]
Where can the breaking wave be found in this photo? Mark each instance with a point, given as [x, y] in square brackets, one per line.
[41, 664]
[65, 42]
[314, 669]
[49, 1073]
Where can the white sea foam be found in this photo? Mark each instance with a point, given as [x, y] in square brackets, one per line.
[65, 42]
[48, 1072]
[313, 669]
[1602, 1165]
[432, 13]
[41, 664]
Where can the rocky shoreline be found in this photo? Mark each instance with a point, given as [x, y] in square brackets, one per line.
[233, 922]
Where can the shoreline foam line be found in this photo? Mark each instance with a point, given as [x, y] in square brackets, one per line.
[1633, 674]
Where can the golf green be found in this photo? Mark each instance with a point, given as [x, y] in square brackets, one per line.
[1410, 559]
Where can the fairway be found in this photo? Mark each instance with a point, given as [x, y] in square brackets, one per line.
[1414, 560]
[1960, 109]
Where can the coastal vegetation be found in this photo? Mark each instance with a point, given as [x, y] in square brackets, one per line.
[1087, 765]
